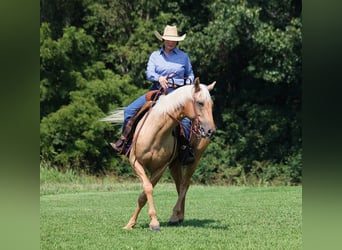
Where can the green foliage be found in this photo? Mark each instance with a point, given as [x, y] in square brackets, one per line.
[76, 91]
[278, 53]
[93, 58]
[259, 134]
[62, 13]
[73, 137]
[60, 62]
[50, 175]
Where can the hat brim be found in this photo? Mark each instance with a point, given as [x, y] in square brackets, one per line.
[169, 38]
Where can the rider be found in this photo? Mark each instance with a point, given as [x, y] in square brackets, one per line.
[168, 68]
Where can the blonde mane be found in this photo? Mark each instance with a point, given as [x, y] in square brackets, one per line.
[178, 98]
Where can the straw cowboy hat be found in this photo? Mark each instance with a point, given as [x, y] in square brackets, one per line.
[170, 33]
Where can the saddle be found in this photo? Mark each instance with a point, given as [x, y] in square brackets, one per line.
[151, 97]
[122, 145]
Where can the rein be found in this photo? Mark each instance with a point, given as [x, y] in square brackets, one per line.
[171, 81]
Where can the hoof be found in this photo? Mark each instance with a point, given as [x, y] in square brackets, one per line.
[129, 226]
[155, 228]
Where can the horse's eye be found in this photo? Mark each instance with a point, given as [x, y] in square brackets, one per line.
[201, 104]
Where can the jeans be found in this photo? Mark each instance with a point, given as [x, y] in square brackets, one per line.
[131, 109]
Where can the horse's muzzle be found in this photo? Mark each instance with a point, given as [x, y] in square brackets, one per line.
[209, 133]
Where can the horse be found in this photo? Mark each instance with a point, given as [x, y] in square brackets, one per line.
[154, 147]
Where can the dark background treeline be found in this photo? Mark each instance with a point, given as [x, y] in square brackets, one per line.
[93, 56]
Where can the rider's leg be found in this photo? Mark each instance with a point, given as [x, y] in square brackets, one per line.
[187, 155]
[132, 109]
[129, 112]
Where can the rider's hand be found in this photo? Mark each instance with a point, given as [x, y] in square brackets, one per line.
[163, 82]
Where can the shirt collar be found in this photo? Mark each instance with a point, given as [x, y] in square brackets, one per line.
[161, 50]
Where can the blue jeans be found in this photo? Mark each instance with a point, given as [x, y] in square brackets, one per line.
[131, 109]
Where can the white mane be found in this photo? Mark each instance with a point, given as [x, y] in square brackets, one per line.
[177, 98]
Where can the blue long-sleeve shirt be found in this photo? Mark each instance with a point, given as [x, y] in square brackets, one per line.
[178, 63]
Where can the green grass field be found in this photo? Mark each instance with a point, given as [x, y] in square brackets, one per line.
[83, 214]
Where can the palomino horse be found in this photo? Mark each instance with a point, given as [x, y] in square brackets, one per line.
[154, 146]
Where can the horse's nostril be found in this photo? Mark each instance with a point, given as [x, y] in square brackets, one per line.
[210, 132]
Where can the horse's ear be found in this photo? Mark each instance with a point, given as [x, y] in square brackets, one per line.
[197, 84]
[211, 86]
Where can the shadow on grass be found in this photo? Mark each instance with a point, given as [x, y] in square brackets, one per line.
[204, 223]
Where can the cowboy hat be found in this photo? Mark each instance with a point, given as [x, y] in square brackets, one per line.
[170, 33]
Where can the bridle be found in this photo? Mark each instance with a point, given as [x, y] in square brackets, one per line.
[196, 128]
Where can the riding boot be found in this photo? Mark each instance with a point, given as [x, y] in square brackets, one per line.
[120, 145]
[186, 153]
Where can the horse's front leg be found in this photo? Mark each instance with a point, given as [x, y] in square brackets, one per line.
[148, 190]
[147, 195]
[141, 203]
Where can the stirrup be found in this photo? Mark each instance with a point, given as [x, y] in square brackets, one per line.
[186, 155]
[119, 146]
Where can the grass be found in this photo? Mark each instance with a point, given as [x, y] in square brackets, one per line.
[88, 213]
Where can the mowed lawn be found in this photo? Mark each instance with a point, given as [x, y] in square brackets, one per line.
[217, 217]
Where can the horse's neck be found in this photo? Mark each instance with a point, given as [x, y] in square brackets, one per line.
[162, 123]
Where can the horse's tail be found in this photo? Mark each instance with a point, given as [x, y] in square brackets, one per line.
[116, 116]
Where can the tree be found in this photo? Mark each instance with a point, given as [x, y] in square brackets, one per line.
[95, 57]
[258, 69]
[60, 62]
